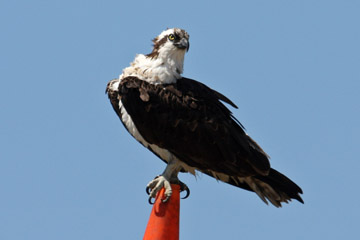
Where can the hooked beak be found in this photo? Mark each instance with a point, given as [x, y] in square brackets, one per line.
[183, 44]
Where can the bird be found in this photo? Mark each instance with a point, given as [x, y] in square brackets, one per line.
[187, 125]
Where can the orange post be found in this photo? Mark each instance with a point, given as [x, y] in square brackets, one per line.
[164, 217]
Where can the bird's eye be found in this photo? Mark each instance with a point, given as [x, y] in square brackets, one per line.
[171, 37]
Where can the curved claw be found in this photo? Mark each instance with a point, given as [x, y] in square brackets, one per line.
[165, 199]
[187, 192]
[150, 202]
[147, 190]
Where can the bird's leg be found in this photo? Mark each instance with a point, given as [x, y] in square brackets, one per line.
[170, 175]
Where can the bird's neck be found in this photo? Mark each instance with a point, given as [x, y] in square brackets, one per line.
[165, 68]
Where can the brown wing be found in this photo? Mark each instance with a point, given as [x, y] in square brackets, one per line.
[188, 119]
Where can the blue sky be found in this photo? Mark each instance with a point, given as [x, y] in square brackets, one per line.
[69, 170]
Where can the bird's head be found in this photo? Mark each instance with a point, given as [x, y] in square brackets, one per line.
[170, 43]
[165, 63]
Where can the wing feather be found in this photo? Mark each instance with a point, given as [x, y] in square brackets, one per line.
[188, 119]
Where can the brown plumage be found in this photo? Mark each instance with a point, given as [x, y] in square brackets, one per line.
[188, 119]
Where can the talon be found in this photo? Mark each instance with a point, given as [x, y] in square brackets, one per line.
[150, 202]
[166, 199]
[148, 190]
[187, 192]
[183, 187]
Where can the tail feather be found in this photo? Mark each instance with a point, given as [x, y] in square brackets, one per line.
[274, 187]
[282, 184]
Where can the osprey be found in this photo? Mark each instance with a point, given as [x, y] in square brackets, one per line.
[186, 124]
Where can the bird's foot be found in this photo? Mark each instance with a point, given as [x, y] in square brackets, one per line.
[155, 186]
[160, 182]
